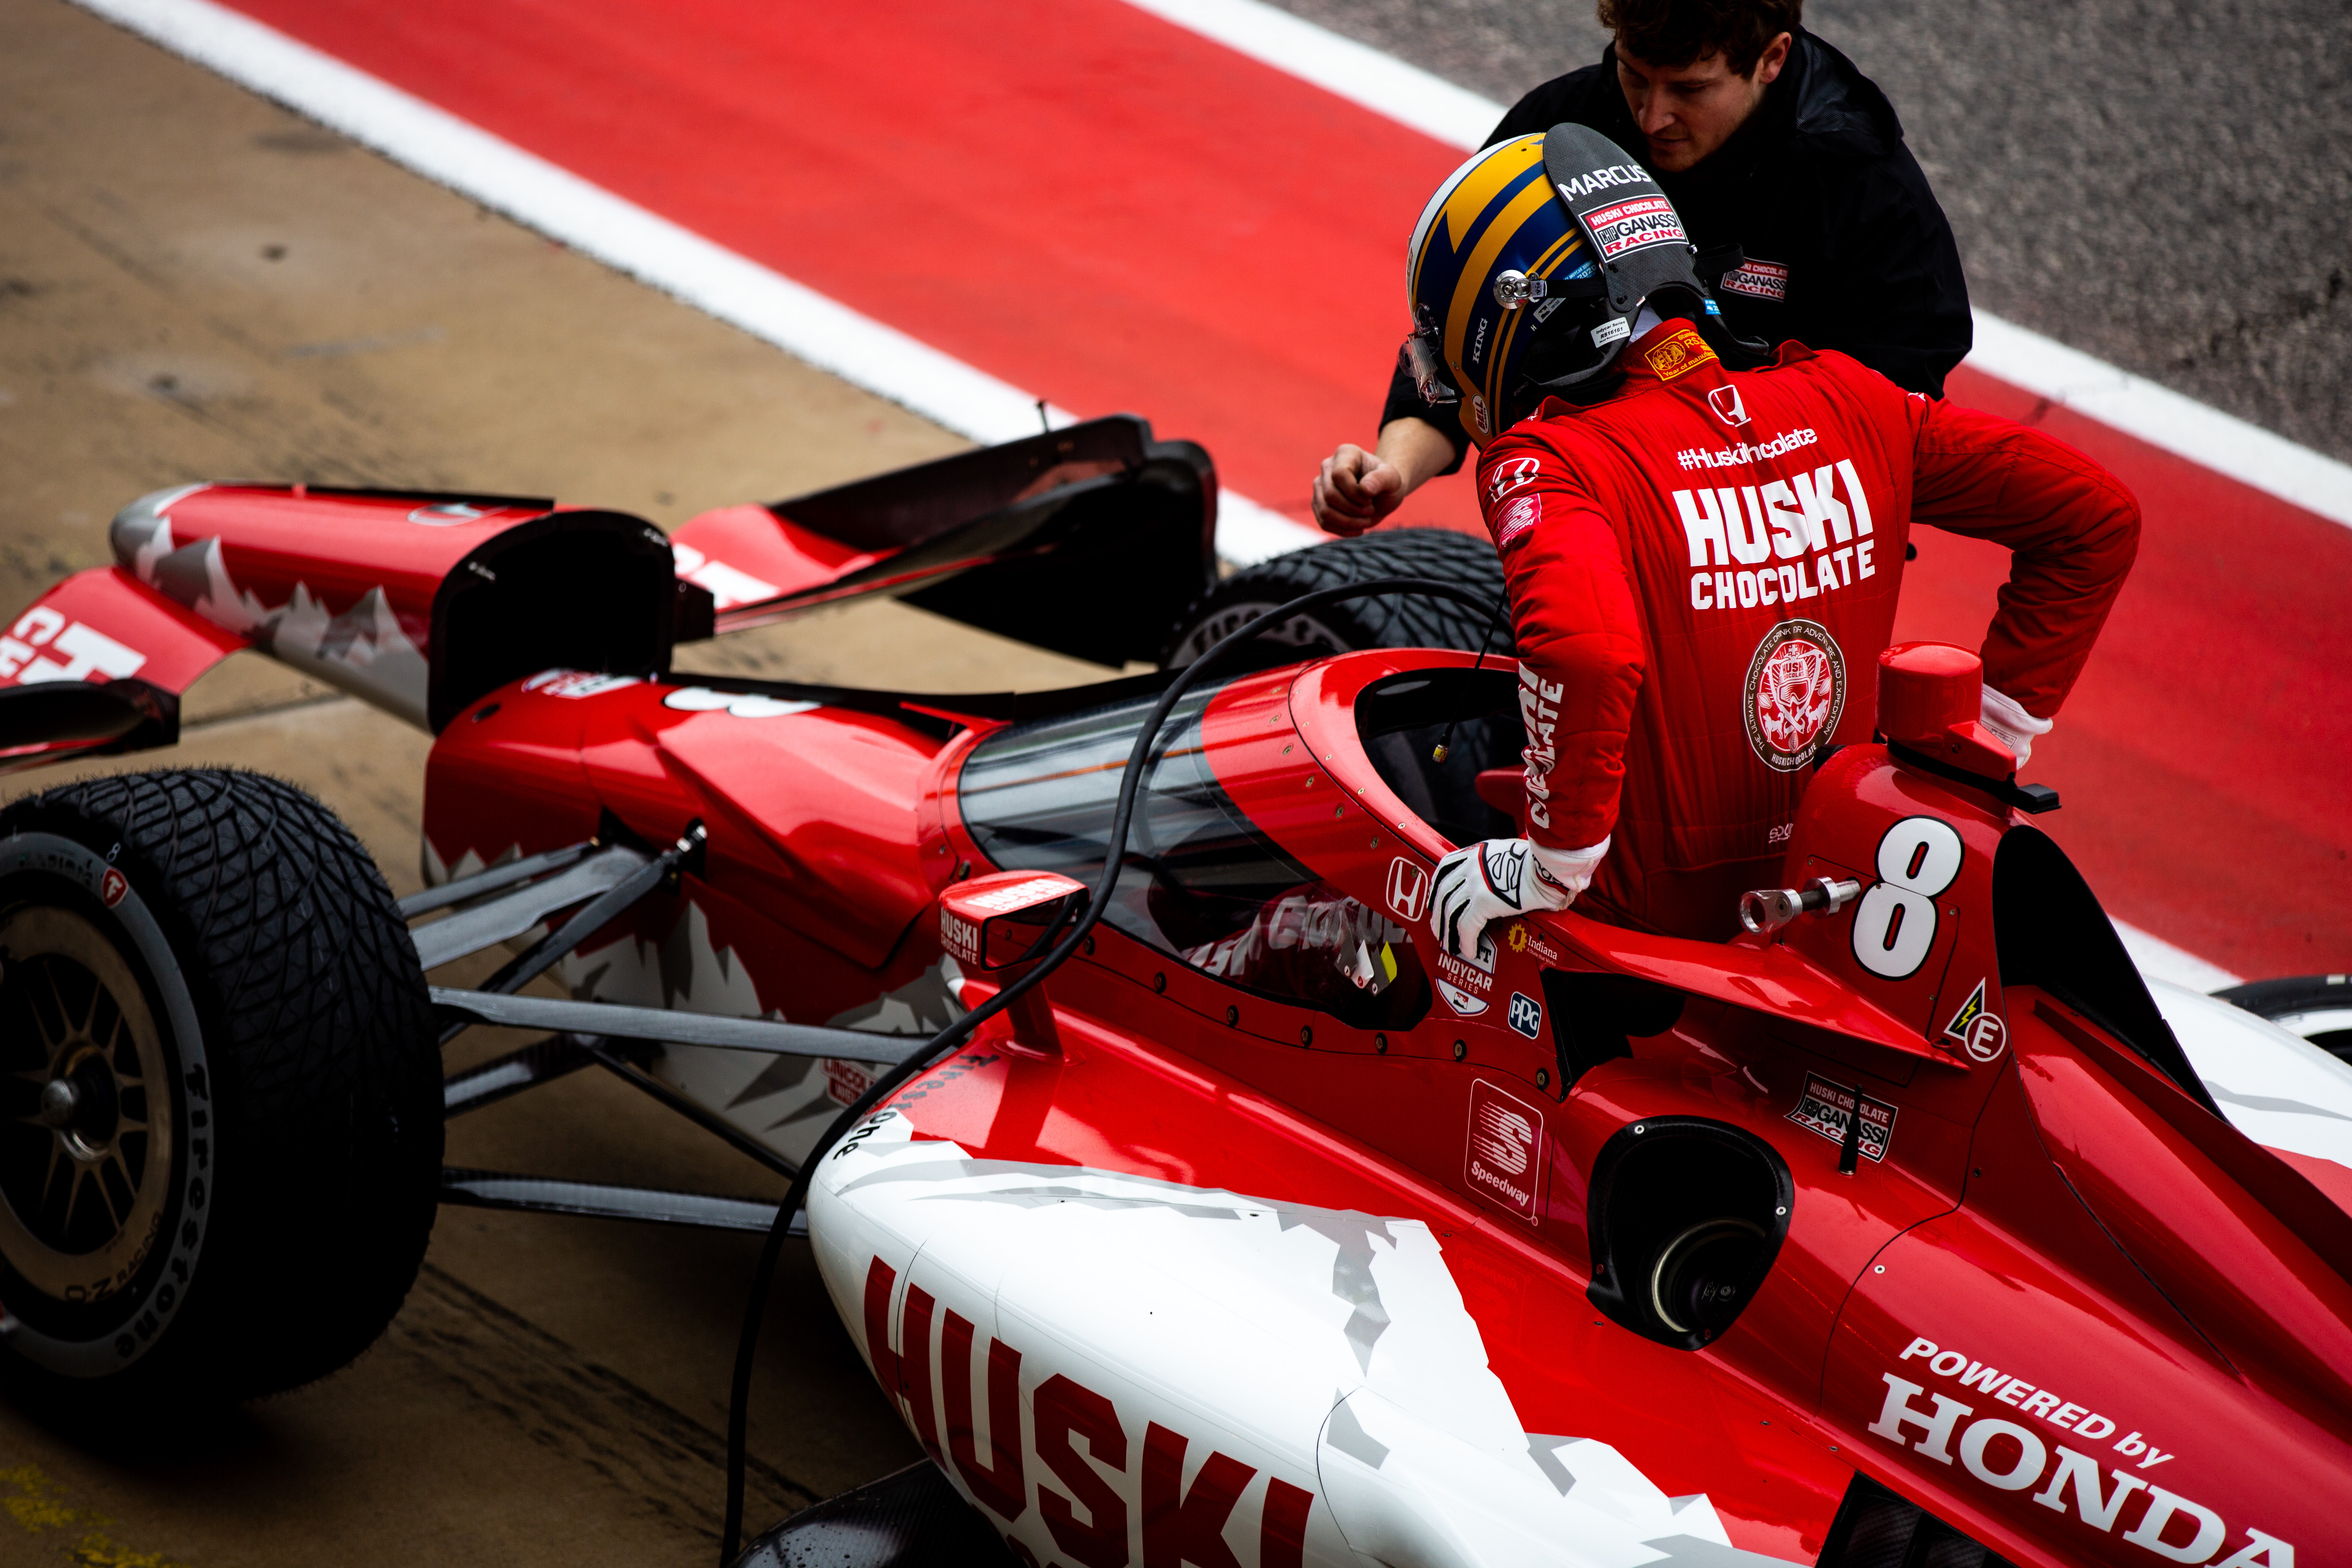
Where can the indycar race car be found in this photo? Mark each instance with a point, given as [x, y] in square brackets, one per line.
[1188, 1203]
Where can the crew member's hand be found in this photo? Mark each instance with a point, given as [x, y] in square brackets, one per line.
[1355, 489]
[1502, 876]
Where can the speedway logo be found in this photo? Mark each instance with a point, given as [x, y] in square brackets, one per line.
[2010, 1456]
[1502, 1160]
[1745, 452]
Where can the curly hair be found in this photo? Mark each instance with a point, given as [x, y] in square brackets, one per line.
[1677, 32]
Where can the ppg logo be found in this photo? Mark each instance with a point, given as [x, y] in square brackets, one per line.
[1525, 1016]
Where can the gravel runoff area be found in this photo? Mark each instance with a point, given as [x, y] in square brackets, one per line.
[2165, 184]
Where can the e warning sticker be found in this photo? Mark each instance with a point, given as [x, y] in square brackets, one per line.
[1828, 1109]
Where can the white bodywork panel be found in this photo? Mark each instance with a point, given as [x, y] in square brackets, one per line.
[2279, 1090]
[1323, 1350]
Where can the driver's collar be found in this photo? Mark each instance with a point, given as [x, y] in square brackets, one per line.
[1670, 350]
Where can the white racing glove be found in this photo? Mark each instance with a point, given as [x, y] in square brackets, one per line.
[1500, 877]
[2017, 729]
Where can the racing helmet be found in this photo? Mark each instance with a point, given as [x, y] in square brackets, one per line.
[1529, 270]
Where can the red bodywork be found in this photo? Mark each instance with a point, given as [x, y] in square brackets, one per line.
[2034, 1207]
[2019, 1270]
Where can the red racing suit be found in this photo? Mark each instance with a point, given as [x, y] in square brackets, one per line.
[1703, 570]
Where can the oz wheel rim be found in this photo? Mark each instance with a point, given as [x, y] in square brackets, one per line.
[85, 1134]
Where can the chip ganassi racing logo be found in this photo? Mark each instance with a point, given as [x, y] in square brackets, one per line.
[1796, 692]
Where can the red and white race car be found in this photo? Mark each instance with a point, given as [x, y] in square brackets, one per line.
[1912, 1227]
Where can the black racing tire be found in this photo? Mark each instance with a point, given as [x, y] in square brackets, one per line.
[1392, 621]
[2317, 1007]
[215, 966]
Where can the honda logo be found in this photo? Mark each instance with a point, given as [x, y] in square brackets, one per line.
[1408, 891]
[1725, 401]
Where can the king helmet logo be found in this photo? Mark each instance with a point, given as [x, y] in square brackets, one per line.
[1796, 693]
[1408, 891]
[1726, 401]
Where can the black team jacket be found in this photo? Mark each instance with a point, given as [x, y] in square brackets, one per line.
[1845, 247]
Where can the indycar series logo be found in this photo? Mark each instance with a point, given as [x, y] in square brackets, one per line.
[1502, 1159]
[1796, 693]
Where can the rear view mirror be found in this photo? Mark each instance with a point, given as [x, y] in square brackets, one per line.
[1001, 918]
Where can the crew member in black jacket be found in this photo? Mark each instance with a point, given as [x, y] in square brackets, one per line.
[1767, 140]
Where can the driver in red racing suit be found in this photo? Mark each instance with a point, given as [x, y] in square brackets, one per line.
[1703, 562]
[1703, 570]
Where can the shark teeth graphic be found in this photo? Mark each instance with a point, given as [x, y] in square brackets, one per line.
[363, 650]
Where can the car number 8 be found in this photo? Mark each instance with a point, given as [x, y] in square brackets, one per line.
[1895, 924]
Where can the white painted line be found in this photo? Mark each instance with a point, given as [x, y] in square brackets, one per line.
[2159, 960]
[2253, 456]
[626, 237]
[1357, 72]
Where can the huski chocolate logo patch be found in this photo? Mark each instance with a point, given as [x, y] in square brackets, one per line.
[1796, 692]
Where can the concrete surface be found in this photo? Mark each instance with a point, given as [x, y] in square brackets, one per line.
[2164, 184]
[195, 284]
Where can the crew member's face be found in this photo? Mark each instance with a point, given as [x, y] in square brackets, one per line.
[1688, 111]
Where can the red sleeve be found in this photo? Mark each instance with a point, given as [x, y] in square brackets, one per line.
[2072, 527]
[1579, 638]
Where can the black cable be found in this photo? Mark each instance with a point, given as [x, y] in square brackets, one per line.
[1445, 741]
[956, 1033]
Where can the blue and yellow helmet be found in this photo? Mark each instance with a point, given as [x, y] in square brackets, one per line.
[1529, 268]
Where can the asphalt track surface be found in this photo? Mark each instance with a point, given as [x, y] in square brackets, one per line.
[1110, 211]
[194, 283]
